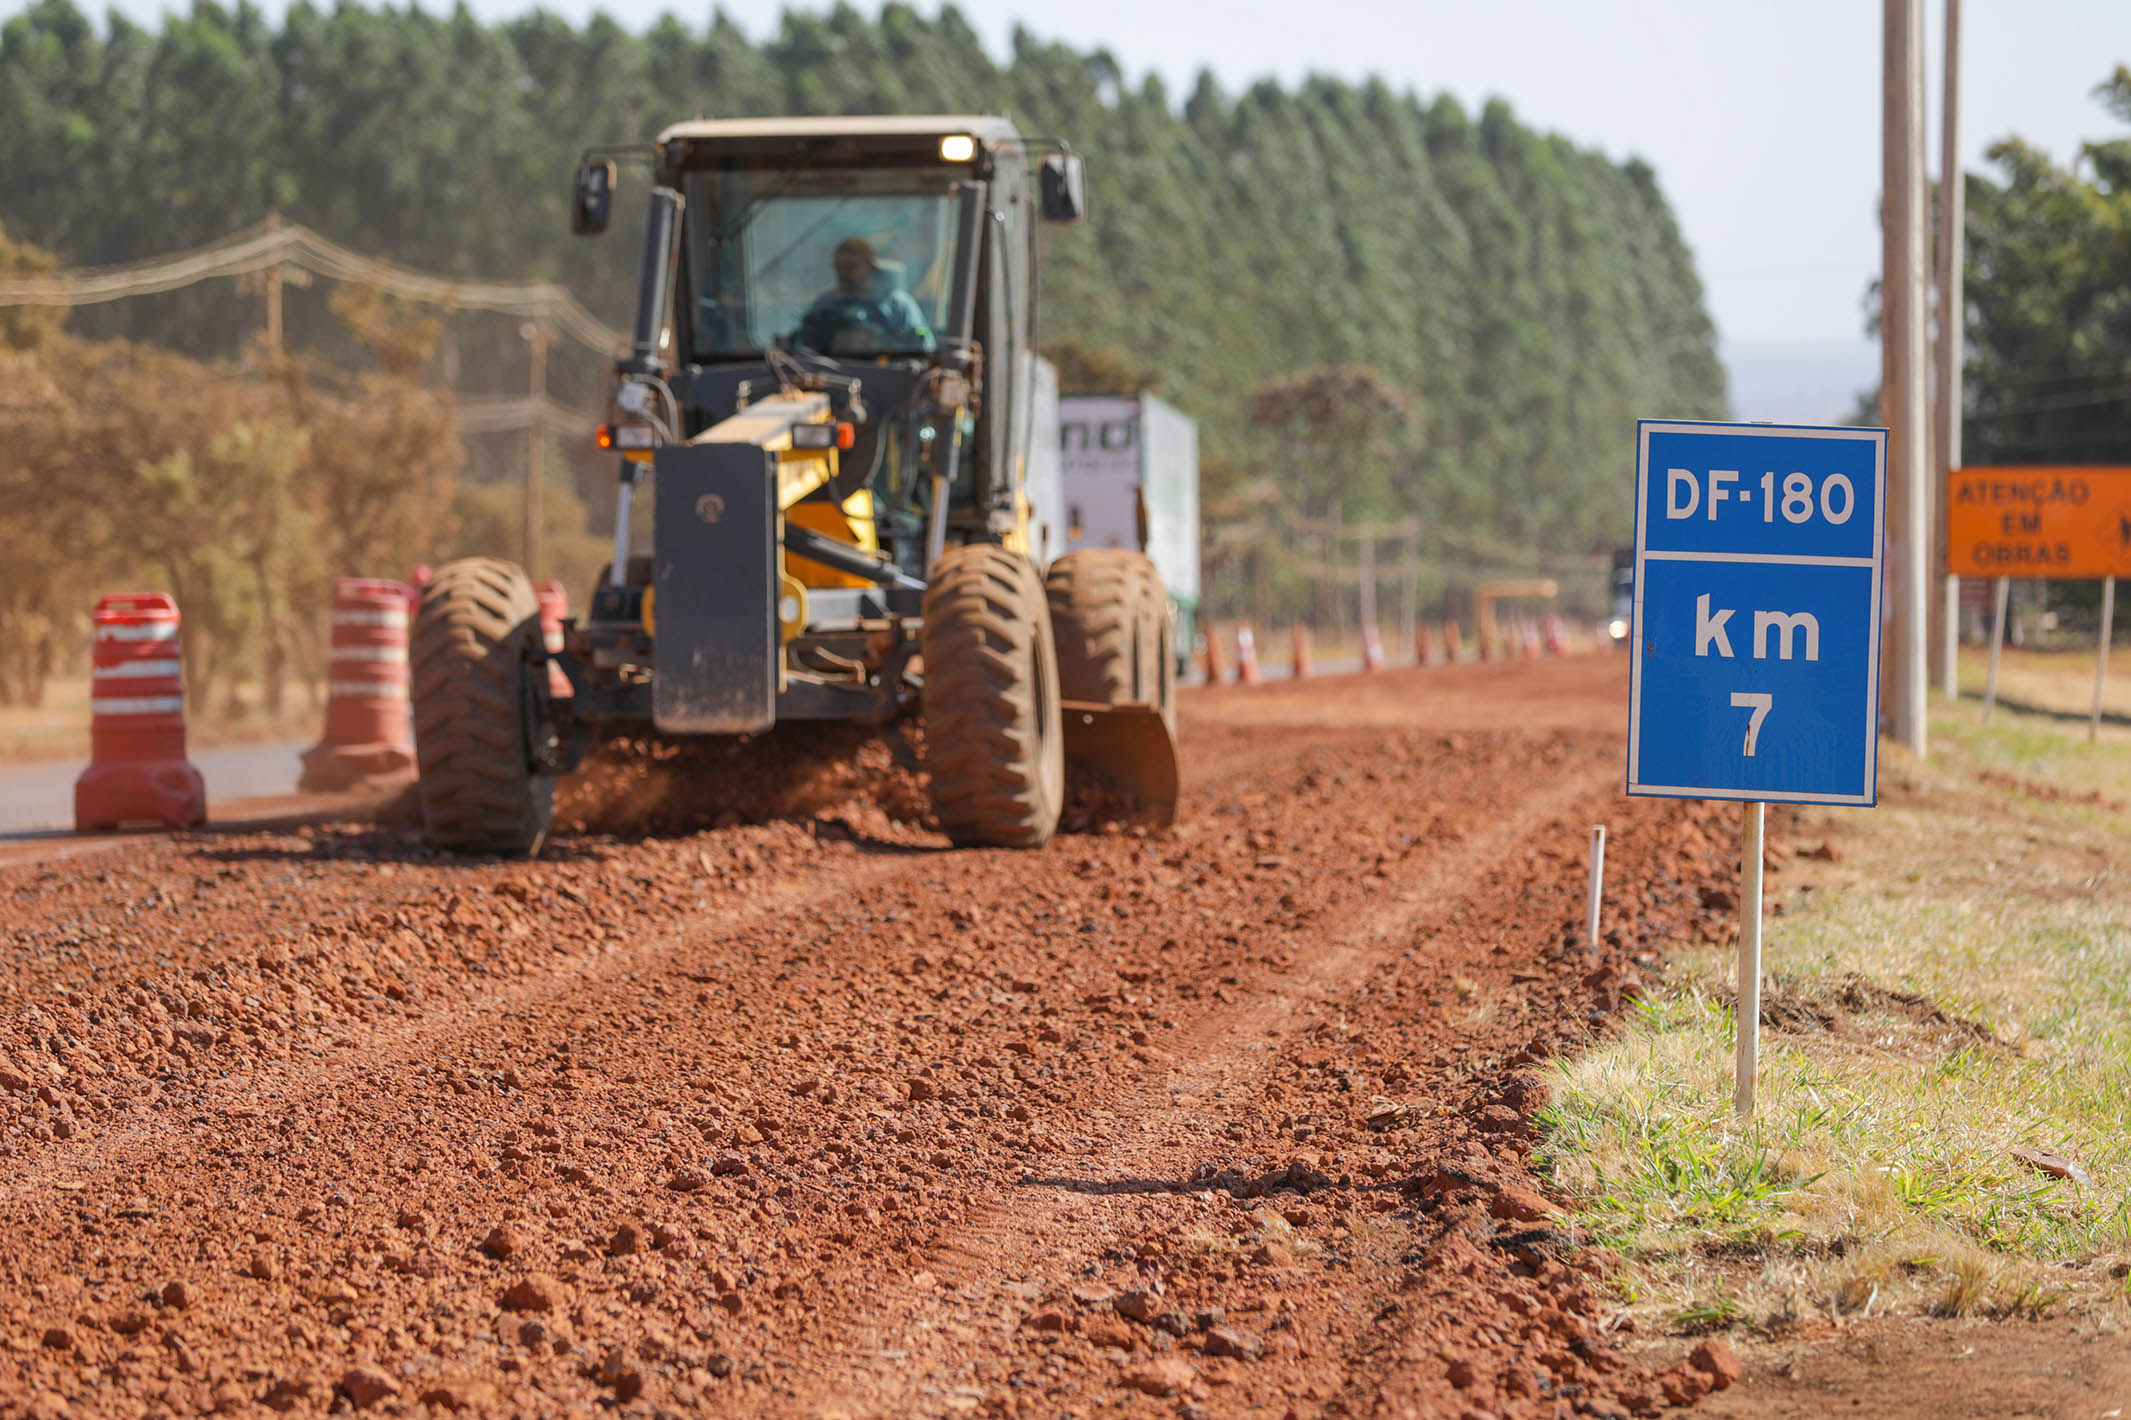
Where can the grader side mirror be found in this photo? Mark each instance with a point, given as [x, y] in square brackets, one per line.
[591, 196]
[1064, 184]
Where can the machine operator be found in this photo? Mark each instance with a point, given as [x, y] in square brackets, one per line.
[865, 311]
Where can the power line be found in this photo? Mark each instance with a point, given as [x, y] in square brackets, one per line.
[271, 244]
[510, 415]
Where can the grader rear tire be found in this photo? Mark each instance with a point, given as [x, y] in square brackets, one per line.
[993, 739]
[480, 791]
[1110, 615]
[1157, 640]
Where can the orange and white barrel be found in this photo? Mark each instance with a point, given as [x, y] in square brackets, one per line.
[368, 740]
[554, 600]
[1372, 649]
[137, 767]
[1246, 657]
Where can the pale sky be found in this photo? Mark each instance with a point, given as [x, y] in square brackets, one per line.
[1760, 116]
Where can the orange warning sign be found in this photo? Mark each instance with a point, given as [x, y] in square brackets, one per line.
[2043, 520]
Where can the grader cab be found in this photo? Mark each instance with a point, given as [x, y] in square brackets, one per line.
[851, 450]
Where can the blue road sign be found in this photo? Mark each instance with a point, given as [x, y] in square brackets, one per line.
[1755, 670]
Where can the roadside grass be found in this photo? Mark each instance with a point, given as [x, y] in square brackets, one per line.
[1948, 979]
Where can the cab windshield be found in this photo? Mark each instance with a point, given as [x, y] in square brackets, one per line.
[840, 261]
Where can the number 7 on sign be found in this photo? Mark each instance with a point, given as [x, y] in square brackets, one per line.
[1759, 701]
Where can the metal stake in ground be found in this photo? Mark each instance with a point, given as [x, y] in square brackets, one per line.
[1598, 885]
[2101, 662]
[1997, 644]
[1749, 1012]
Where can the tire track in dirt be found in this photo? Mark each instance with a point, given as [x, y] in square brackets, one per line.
[1012, 1238]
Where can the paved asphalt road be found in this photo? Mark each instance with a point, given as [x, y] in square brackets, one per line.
[39, 798]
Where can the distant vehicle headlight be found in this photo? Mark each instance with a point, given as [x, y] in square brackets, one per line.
[1617, 629]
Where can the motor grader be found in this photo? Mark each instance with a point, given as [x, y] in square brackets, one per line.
[850, 449]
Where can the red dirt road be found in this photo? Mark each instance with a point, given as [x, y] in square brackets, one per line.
[812, 1118]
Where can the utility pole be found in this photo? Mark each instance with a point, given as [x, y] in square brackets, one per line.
[1368, 575]
[1413, 583]
[1953, 216]
[1902, 366]
[536, 334]
[273, 293]
[1332, 541]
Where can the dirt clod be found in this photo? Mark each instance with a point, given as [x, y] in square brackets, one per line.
[533, 1293]
[1109, 1332]
[1138, 1305]
[1715, 1358]
[290, 1393]
[365, 1386]
[617, 1373]
[1520, 1205]
[1165, 1377]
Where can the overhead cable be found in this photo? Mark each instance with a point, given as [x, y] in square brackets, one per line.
[270, 244]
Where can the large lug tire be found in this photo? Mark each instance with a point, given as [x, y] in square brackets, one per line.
[993, 739]
[1111, 618]
[471, 647]
[1157, 639]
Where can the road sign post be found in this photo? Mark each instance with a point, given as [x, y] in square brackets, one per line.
[2101, 662]
[1759, 572]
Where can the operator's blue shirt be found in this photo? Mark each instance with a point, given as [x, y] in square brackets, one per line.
[884, 320]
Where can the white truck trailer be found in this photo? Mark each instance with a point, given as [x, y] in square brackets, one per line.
[1130, 465]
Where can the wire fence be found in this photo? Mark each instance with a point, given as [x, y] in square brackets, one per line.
[272, 244]
[1266, 560]
[508, 425]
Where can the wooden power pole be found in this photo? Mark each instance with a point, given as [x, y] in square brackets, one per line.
[1953, 216]
[272, 277]
[536, 433]
[1902, 367]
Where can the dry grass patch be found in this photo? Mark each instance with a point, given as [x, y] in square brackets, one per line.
[1949, 980]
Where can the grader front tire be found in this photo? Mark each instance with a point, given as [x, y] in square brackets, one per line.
[472, 637]
[993, 741]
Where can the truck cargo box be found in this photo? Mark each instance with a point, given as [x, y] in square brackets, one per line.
[1131, 473]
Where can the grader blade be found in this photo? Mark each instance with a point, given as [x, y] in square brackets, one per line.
[1131, 754]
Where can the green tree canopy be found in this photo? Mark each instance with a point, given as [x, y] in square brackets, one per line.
[2048, 302]
[1524, 297]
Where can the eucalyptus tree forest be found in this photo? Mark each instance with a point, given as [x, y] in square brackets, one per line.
[1506, 300]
